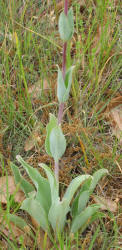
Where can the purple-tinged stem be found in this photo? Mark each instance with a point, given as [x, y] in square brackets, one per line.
[57, 171]
[65, 44]
[66, 7]
[61, 105]
[60, 113]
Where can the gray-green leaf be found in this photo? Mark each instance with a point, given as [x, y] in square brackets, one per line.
[96, 177]
[77, 204]
[43, 194]
[57, 143]
[54, 186]
[68, 83]
[18, 221]
[82, 219]
[57, 215]
[82, 201]
[61, 88]
[73, 186]
[24, 185]
[52, 123]
[34, 208]
[66, 25]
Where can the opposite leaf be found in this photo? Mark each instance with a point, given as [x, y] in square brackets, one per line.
[61, 88]
[64, 86]
[68, 83]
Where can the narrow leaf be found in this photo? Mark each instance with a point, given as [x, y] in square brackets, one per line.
[82, 201]
[54, 187]
[71, 21]
[61, 89]
[68, 82]
[25, 186]
[42, 185]
[73, 186]
[82, 219]
[18, 221]
[76, 202]
[34, 208]
[96, 177]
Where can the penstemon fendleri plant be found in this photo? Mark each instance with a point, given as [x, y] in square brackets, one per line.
[43, 201]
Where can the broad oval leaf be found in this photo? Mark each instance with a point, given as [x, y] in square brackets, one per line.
[66, 25]
[57, 143]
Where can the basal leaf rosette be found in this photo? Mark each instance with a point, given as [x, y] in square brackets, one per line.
[55, 143]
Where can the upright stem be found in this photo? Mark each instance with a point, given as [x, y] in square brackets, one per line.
[57, 171]
[64, 59]
[61, 105]
[65, 44]
[60, 112]
[66, 7]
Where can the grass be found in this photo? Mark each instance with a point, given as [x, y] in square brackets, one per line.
[30, 48]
